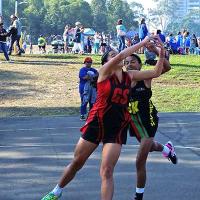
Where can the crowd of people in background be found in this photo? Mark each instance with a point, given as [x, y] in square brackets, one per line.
[97, 43]
[75, 40]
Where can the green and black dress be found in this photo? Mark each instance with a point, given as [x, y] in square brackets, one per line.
[144, 116]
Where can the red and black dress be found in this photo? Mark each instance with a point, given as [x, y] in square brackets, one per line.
[109, 118]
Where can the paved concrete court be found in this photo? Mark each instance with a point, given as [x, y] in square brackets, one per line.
[33, 152]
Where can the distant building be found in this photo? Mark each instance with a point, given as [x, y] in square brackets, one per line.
[186, 6]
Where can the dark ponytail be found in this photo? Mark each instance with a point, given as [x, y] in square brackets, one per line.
[104, 57]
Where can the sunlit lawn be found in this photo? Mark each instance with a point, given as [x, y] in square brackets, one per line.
[48, 85]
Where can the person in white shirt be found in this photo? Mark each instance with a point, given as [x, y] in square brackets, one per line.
[121, 33]
[15, 32]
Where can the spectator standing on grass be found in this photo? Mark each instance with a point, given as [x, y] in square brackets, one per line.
[77, 38]
[90, 90]
[3, 37]
[103, 43]
[31, 48]
[24, 46]
[97, 39]
[15, 34]
[143, 32]
[179, 43]
[187, 42]
[198, 47]
[89, 44]
[84, 77]
[121, 34]
[66, 37]
[193, 44]
[42, 44]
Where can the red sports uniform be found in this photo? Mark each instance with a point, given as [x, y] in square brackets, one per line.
[109, 118]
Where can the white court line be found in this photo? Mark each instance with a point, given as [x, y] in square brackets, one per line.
[182, 147]
[177, 147]
[180, 123]
[54, 145]
[162, 124]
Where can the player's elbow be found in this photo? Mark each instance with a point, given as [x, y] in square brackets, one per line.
[168, 68]
[157, 73]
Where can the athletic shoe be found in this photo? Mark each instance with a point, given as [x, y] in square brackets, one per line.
[51, 196]
[138, 196]
[172, 155]
[10, 61]
[82, 118]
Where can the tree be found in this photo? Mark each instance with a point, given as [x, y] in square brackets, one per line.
[99, 12]
[118, 9]
[50, 16]
[60, 13]
[163, 14]
[138, 11]
[35, 14]
[189, 22]
[8, 9]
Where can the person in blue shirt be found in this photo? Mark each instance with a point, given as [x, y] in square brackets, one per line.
[179, 40]
[84, 77]
[143, 32]
[187, 43]
[162, 36]
[173, 44]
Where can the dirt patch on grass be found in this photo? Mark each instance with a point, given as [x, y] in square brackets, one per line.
[40, 86]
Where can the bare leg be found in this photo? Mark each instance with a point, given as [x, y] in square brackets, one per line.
[156, 146]
[145, 146]
[110, 155]
[82, 151]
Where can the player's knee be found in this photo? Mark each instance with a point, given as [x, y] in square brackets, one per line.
[78, 163]
[106, 172]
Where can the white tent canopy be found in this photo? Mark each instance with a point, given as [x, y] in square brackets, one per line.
[89, 31]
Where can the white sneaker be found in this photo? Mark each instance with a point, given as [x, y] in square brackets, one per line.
[172, 154]
[10, 61]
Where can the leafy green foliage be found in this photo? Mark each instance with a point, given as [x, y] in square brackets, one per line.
[50, 16]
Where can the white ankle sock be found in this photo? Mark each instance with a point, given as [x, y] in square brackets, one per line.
[165, 150]
[57, 190]
[139, 190]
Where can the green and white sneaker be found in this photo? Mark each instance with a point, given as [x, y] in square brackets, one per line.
[51, 196]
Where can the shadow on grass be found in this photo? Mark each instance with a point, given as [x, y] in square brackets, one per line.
[14, 75]
[38, 111]
[38, 62]
[186, 66]
[53, 56]
[10, 88]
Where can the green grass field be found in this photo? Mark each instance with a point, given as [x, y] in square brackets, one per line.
[41, 85]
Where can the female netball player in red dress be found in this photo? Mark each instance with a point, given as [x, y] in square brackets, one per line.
[107, 121]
